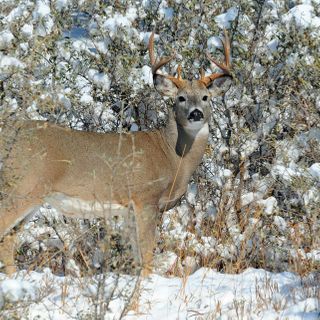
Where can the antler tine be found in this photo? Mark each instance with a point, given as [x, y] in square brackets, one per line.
[225, 67]
[162, 62]
[155, 66]
[151, 49]
[226, 47]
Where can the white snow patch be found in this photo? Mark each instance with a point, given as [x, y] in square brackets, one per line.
[82, 45]
[6, 38]
[132, 14]
[146, 75]
[283, 172]
[164, 262]
[64, 100]
[192, 193]
[62, 4]
[314, 255]
[280, 223]
[41, 10]
[165, 12]
[134, 127]
[227, 173]
[273, 45]
[248, 147]
[314, 170]
[14, 290]
[268, 205]
[86, 98]
[7, 62]
[213, 43]
[249, 197]
[224, 20]
[27, 30]
[100, 79]
[32, 111]
[120, 21]
[19, 11]
[311, 195]
[303, 15]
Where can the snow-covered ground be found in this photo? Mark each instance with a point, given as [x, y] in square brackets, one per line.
[206, 294]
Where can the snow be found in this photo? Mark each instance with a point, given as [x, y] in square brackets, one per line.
[86, 99]
[303, 16]
[191, 193]
[112, 24]
[7, 62]
[283, 172]
[17, 12]
[261, 295]
[64, 100]
[273, 45]
[41, 10]
[27, 30]
[314, 255]
[62, 4]
[134, 127]
[120, 21]
[311, 195]
[248, 147]
[315, 171]
[213, 43]
[280, 223]
[249, 198]
[14, 290]
[146, 75]
[6, 38]
[227, 173]
[165, 12]
[100, 79]
[268, 205]
[224, 20]
[131, 14]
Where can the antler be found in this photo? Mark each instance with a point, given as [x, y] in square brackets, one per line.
[155, 66]
[225, 67]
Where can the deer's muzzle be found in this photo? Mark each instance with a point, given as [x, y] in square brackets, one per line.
[196, 115]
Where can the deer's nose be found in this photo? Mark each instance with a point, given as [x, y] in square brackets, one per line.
[195, 115]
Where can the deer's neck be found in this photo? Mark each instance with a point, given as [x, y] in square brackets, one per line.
[186, 153]
[187, 146]
[186, 143]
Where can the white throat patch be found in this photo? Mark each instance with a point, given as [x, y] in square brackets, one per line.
[197, 128]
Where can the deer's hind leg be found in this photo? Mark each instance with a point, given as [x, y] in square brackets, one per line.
[17, 204]
[10, 217]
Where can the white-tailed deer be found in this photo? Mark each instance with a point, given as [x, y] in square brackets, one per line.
[85, 174]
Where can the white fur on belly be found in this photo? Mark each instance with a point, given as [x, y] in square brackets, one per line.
[73, 206]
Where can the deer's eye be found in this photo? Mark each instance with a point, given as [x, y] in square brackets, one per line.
[181, 99]
[205, 98]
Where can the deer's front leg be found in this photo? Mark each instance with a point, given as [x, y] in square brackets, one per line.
[146, 223]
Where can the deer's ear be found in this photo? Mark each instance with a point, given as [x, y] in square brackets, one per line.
[219, 86]
[164, 85]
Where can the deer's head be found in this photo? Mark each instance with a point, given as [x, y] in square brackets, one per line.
[192, 97]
